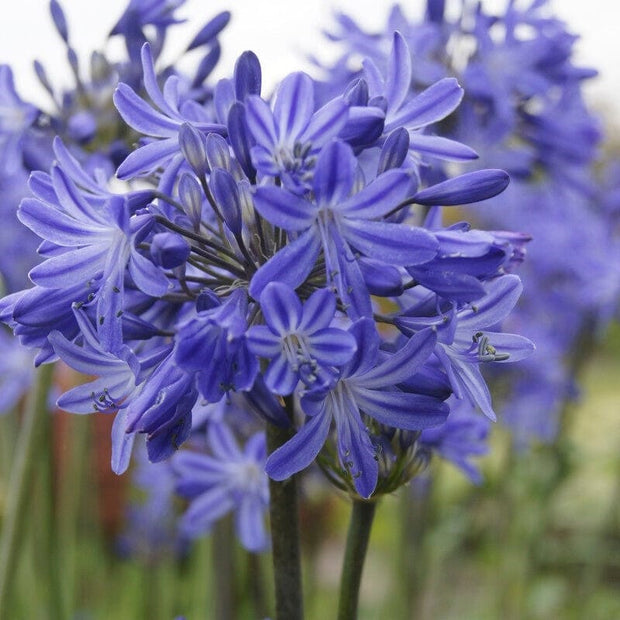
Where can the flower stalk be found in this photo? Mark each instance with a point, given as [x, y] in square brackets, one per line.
[285, 542]
[358, 537]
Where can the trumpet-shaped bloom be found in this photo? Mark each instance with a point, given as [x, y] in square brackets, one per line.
[289, 137]
[229, 479]
[297, 339]
[362, 387]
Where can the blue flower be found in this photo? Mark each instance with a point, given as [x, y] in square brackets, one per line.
[16, 117]
[289, 138]
[466, 338]
[297, 339]
[415, 113]
[362, 387]
[95, 243]
[213, 345]
[337, 218]
[163, 122]
[162, 409]
[230, 479]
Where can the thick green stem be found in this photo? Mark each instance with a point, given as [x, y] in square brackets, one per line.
[285, 537]
[362, 516]
[32, 435]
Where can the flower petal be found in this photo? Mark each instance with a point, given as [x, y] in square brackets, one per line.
[301, 450]
[284, 209]
[398, 79]
[464, 189]
[430, 106]
[293, 107]
[291, 265]
[281, 308]
[411, 412]
[403, 364]
[392, 243]
[387, 191]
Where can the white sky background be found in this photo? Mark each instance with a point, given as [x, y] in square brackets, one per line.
[279, 31]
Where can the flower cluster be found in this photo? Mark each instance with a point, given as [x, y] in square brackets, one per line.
[285, 254]
[522, 90]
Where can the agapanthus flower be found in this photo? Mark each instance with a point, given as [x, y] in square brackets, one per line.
[16, 117]
[227, 479]
[100, 244]
[466, 338]
[298, 339]
[252, 266]
[289, 138]
[363, 386]
[522, 88]
[161, 121]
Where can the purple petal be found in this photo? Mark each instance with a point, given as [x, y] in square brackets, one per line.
[261, 122]
[248, 75]
[150, 83]
[141, 116]
[318, 310]
[72, 201]
[65, 269]
[73, 168]
[355, 449]
[430, 106]
[210, 30]
[398, 79]
[281, 308]
[206, 509]
[53, 225]
[279, 377]
[334, 173]
[147, 276]
[411, 412]
[263, 342]
[442, 148]
[326, 123]
[344, 269]
[291, 265]
[332, 346]
[387, 191]
[502, 295]
[293, 106]
[148, 158]
[122, 445]
[299, 451]
[464, 189]
[474, 386]
[403, 364]
[392, 243]
[250, 524]
[284, 209]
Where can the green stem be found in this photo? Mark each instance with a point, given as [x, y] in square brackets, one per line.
[46, 522]
[362, 516]
[415, 511]
[224, 570]
[285, 537]
[31, 437]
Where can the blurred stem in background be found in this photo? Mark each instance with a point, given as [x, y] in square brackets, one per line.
[225, 570]
[31, 449]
